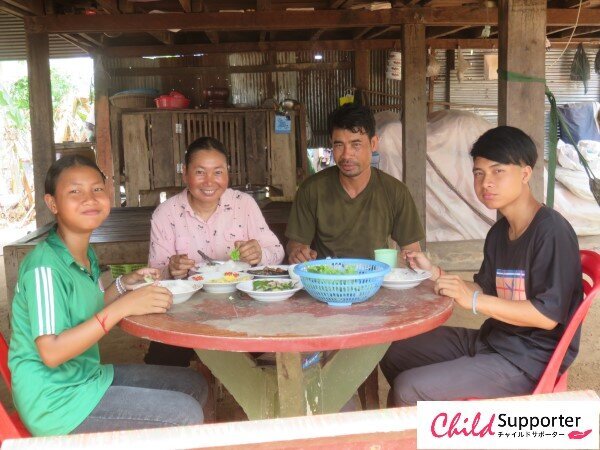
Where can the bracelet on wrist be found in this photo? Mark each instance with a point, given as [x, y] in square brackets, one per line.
[119, 285]
[474, 302]
[101, 322]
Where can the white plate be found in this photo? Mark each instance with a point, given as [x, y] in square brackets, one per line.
[182, 290]
[265, 296]
[272, 266]
[227, 266]
[219, 287]
[401, 278]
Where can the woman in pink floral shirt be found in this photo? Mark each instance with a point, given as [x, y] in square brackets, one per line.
[208, 216]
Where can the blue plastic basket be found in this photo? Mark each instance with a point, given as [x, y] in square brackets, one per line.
[343, 290]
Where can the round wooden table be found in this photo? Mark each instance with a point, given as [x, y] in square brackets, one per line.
[222, 328]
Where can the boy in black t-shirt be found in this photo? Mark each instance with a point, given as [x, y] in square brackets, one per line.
[529, 285]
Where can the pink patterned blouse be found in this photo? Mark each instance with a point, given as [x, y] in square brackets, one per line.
[176, 230]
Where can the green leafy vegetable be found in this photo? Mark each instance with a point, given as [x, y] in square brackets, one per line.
[148, 279]
[330, 270]
[271, 285]
[235, 254]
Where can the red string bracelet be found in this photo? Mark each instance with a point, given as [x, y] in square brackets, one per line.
[101, 322]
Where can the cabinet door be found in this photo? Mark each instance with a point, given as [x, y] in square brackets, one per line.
[257, 170]
[136, 164]
[164, 150]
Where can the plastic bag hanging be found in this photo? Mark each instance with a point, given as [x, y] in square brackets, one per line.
[462, 66]
[580, 68]
[433, 66]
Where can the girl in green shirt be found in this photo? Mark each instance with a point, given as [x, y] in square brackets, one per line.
[60, 313]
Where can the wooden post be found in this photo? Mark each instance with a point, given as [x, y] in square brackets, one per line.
[40, 112]
[447, 85]
[104, 156]
[522, 28]
[362, 69]
[414, 117]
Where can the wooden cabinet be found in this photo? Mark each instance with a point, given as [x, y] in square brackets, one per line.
[154, 144]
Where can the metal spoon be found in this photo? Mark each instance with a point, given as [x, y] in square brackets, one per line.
[408, 266]
[208, 259]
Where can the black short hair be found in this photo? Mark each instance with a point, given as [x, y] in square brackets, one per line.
[506, 145]
[353, 117]
[205, 143]
[64, 163]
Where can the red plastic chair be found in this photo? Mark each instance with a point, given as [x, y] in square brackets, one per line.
[11, 426]
[551, 381]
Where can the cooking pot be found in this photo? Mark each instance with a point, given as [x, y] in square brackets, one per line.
[258, 192]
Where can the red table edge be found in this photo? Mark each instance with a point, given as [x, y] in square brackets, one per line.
[284, 343]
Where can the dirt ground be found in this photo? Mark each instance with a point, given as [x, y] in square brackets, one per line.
[118, 347]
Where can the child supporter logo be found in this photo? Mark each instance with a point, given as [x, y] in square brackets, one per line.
[508, 424]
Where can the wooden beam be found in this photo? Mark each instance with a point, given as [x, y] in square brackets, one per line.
[362, 69]
[29, 7]
[196, 70]
[13, 10]
[522, 33]
[78, 42]
[40, 112]
[263, 20]
[104, 156]
[110, 6]
[414, 114]
[186, 5]
[263, 5]
[166, 37]
[380, 32]
[438, 32]
[317, 34]
[237, 47]
[558, 30]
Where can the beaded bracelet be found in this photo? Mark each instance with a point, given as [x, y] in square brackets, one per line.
[119, 285]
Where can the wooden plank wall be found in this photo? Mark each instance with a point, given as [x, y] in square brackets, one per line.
[283, 161]
[136, 164]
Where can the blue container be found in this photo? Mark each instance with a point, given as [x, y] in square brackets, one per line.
[343, 289]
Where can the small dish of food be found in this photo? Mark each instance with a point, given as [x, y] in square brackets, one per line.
[221, 283]
[401, 278]
[270, 289]
[274, 271]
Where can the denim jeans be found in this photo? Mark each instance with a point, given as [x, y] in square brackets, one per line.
[144, 396]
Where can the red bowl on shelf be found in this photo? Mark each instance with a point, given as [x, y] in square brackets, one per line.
[171, 102]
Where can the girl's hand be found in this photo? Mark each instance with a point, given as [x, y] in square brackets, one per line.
[179, 265]
[417, 260]
[146, 300]
[147, 274]
[250, 251]
[454, 287]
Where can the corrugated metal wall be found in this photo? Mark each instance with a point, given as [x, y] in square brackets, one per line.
[117, 84]
[12, 44]
[474, 90]
[320, 90]
[380, 83]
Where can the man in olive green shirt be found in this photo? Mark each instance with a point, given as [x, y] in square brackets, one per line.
[351, 209]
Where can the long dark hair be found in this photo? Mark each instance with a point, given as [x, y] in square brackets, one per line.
[64, 163]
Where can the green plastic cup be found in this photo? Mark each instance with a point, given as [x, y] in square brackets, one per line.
[387, 255]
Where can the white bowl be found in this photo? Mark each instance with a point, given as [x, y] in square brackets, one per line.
[272, 266]
[293, 274]
[182, 290]
[401, 278]
[215, 283]
[269, 296]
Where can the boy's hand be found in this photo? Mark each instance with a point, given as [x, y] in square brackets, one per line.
[179, 265]
[146, 274]
[417, 260]
[454, 287]
[250, 251]
[146, 300]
